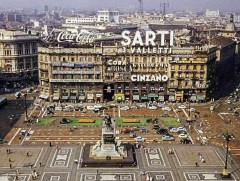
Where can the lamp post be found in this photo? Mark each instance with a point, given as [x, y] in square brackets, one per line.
[228, 137]
[25, 105]
[189, 112]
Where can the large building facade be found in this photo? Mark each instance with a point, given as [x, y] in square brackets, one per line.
[18, 58]
[107, 71]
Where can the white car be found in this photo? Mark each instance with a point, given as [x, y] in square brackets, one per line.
[192, 109]
[182, 107]
[179, 129]
[58, 108]
[98, 106]
[173, 130]
[183, 136]
[124, 108]
[229, 102]
[166, 108]
[152, 107]
[139, 138]
[90, 107]
[142, 105]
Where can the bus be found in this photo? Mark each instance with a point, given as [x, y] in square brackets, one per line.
[3, 101]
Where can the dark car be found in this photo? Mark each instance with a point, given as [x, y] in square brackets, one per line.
[156, 127]
[162, 131]
[185, 141]
[165, 114]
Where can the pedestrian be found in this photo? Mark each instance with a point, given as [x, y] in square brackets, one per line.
[50, 144]
[196, 164]
[7, 151]
[31, 166]
[27, 154]
[10, 166]
[9, 160]
[40, 164]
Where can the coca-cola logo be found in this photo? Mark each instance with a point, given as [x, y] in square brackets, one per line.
[64, 36]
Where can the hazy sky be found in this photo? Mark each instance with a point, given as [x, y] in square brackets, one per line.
[226, 5]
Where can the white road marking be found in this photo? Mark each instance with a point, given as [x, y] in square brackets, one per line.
[9, 143]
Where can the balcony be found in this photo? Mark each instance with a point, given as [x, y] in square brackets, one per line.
[43, 70]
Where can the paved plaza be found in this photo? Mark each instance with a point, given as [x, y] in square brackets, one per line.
[57, 163]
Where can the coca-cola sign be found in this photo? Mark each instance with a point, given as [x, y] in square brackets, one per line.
[65, 36]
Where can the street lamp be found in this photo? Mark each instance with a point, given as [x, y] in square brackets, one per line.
[228, 137]
[25, 104]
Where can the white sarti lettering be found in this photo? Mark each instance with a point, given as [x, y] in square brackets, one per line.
[126, 38]
[137, 39]
[150, 37]
[162, 33]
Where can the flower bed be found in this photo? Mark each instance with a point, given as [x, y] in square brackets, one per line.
[86, 121]
[131, 121]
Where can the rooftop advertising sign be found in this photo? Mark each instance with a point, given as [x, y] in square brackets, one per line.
[148, 44]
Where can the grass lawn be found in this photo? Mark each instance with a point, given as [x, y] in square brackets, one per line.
[119, 122]
[75, 122]
[45, 122]
[170, 122]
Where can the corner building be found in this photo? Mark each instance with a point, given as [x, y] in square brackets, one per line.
[106, 72]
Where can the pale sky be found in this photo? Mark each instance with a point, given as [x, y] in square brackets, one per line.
[225, 5]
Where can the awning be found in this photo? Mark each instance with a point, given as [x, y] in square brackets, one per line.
[73, 97]
[193, 98]
[152, 96]
[201, 98]
[98, 95]
[55, 98]
[144, 98]
[64, 97]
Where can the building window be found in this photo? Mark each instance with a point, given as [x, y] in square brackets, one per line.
[172, 67]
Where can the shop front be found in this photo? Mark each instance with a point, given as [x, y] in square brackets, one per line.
[179, 96]
[99, 97]
[193, 98]
[119, 97]
[152, 96]
[82, 96]
[90, 97]
[201, 98]
[73, 96]
[161, 97]
[171, 98]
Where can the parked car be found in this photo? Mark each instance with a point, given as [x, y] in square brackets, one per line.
[167, 138]
[97, 106]
[152, 107]
[124, 108]
[126, 130]
[229, 102]
[139, 138]
[177, 110]
[156, 127]
[143, 130]
[183, 135]
[90, 107]
[166, 108]
[162, 131]
[185, 141]
[17, 95]
[58, 108]
[132, 134]
[229, 109]
[179, 129]
[142, 105]
[192, 109]
[173, 130]
[182, 107]
[112, 105]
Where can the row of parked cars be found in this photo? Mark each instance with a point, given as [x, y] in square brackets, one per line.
[167, 136]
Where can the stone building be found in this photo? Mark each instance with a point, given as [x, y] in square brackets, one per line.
[18, 58]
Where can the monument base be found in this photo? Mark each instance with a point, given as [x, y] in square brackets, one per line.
[89, 161]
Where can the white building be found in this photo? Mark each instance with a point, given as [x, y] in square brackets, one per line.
[212, 14]
[108, 16]
[81, 20]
